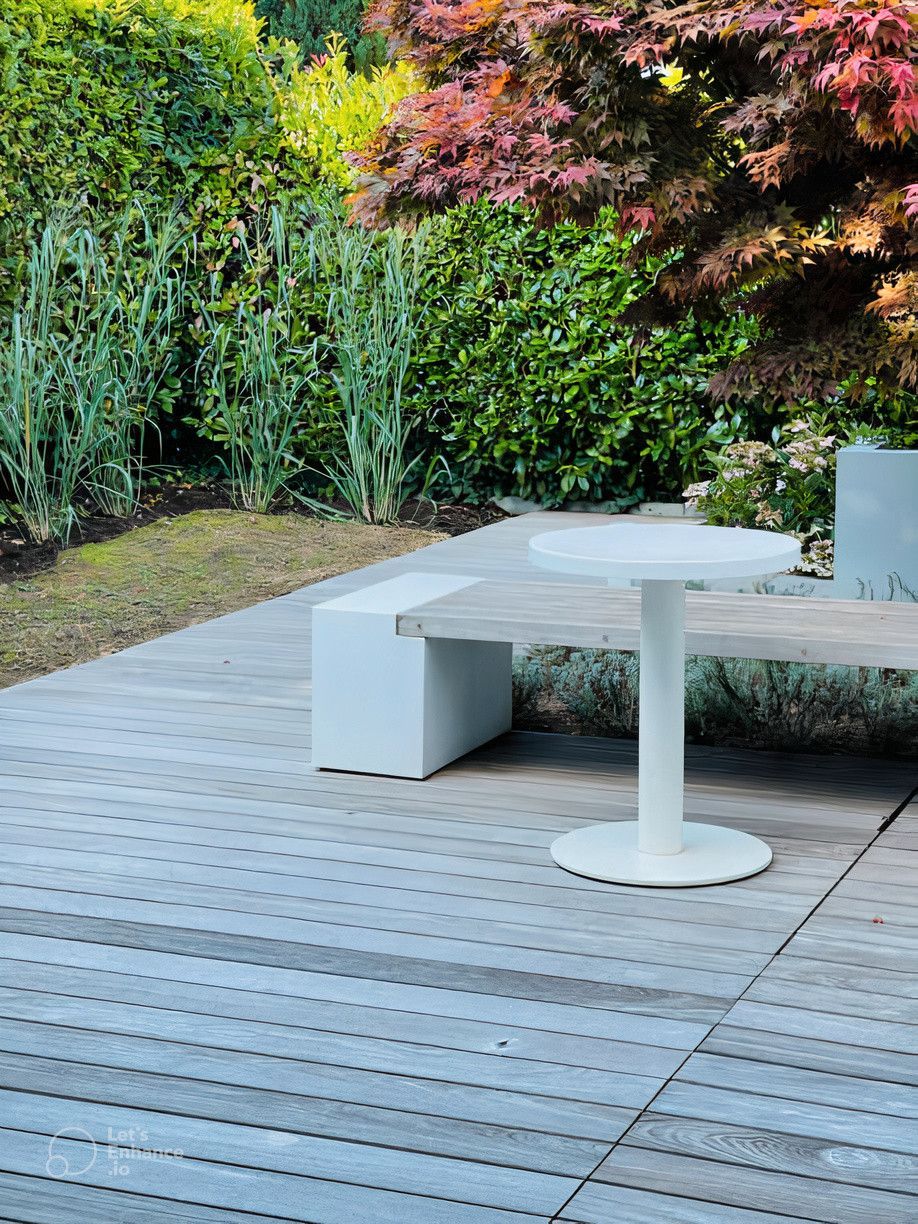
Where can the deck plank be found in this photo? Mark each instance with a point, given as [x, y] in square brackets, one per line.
[600, 1203]
[713, 1176]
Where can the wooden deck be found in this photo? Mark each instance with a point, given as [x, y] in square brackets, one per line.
[350, 999]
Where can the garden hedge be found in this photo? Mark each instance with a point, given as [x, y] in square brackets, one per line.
[530, 375]
[166, 102]
[531, 380]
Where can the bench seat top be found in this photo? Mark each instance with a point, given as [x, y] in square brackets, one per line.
[789, 628]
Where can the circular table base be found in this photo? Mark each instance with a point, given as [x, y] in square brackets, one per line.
[711, 854]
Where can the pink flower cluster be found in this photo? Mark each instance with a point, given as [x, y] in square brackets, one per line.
[808, 454]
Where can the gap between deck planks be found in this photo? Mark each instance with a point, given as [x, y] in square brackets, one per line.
[367, 999]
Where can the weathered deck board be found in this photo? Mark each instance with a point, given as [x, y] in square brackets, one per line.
[852, 632]
[362, 999]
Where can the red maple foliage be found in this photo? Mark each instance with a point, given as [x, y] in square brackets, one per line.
[772, 143]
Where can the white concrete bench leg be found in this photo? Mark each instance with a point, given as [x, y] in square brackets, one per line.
[401, 706]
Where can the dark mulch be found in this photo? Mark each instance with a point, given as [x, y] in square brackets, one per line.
[451, 520]
[20, 559]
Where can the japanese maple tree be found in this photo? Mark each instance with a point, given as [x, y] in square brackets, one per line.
[772, 145]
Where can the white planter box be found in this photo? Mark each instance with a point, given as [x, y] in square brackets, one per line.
[876, 523]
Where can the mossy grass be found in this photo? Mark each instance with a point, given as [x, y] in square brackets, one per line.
[99, 598]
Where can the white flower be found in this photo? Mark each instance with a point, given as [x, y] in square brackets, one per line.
[818, 559]
[750, 455]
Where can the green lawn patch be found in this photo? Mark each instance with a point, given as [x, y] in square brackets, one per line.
[99, 598]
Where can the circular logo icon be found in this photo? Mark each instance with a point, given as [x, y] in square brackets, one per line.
[66, 1160]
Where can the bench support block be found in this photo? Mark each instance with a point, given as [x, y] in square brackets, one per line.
[401, 706]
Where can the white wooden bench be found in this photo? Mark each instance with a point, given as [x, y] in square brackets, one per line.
[412, 673]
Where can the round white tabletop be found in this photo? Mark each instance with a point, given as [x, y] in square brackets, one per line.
[665, 551]
[659, 849]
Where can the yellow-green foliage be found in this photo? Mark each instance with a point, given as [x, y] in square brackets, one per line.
[329, 111]
[214, 14]
[164, 102]
[219, 14]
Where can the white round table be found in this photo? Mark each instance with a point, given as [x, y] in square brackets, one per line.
[659, 848]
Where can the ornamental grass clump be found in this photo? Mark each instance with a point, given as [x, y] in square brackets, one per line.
[328, 111]
[43, 449]
[258, 366]
[85, 358]
[132, 294]
[371, 330]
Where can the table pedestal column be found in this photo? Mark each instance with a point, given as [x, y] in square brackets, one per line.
[661, 739]
[659, 850]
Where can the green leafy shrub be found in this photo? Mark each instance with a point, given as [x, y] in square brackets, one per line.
[534, 381]
[329, 111]
[163, 102]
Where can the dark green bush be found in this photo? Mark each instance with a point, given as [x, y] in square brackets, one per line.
[309, 22]
[532, 383]
[160, 101]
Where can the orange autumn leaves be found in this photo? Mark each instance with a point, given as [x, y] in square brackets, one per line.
[773, 144]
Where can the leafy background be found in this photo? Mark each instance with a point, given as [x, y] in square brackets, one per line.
[532, 371]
